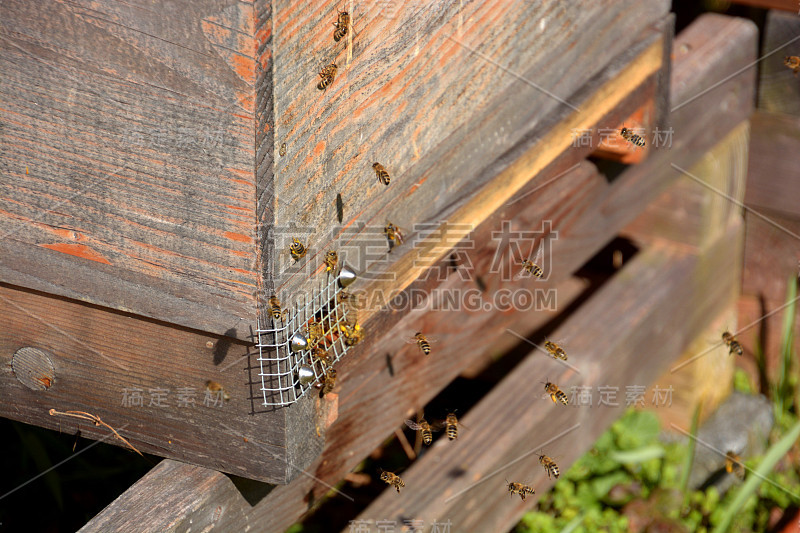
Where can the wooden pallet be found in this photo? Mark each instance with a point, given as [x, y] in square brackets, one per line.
[687, 283]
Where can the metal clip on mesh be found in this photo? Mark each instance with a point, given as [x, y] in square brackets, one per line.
[286, 369]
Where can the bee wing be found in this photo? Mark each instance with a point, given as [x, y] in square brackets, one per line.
[537, 259]
[413, 425]
[411, 340]
[522, 274]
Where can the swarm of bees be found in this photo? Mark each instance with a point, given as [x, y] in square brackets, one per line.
[793, 62]
[556, 394]
[631, 137]
[733, 344]
[520, 488]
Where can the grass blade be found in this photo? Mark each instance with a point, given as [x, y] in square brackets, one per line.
[687, 467]
[784, 392]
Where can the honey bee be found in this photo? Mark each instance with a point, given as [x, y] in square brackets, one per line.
[352, 335]
[733, 464]
[331, 259]
[275, 310]
[555, 350]
[549, 465]
[315, 332]
[451, 423]
[318, 353]
[520, 488]
[393, 234]
[422, 341]
[732, 343]
[341, 25]
[793, 62]
[327, 381]
[532, 268]
[216, 390]
[424, 428]
[392, 479]
[297, 250]
[631, 137]
[282, 150]
[327, 74]
[380, 171]
[555, 393]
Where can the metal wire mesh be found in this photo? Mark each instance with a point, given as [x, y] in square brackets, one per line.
[280, 366]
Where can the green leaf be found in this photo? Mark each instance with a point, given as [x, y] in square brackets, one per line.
[639, 455]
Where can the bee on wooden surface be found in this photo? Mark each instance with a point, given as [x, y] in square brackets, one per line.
[555, 350]
[556, 394]
[793, 62]
[532, 267]
[732, 343]
[423, 427]
[275, 310]
[520, 488]
[394, 235]
[327, 74]
[352, 334]
[215, 389]
[392, 479]
[297, 249]
[549, 465]
[327, 381]
[282, 150]
[331, 260]
[733, 464]
[422, 341]
[342, 24]
[631, 137]
[383, 175]
[451, 423]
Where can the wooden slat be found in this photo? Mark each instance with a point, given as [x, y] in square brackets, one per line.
[778, 87]
[128, 162]
[786, 5]
[616, 339]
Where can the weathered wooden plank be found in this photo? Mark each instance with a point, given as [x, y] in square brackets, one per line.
[145, 379]
[773, 181]
[616, 339]
[778, 87]
[729, 46]
[458, 142]
[128, 163]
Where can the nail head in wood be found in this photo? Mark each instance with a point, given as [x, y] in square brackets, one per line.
[33, 368]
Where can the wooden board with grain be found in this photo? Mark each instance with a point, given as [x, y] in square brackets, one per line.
[709, 51]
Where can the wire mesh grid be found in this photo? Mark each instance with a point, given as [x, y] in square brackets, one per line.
[280, 365]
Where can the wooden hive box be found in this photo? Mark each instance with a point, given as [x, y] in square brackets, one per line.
[147, 213]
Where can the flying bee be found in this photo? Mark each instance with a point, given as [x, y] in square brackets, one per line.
[793, 62]
[422, 341]
[341, 25]
[733, 464]
[631, 137]
[327, 74]
[331, 259]
[520, 488]
[423, 427]
[215, 389]
[549, 465]
[532, 268]
[451, 423]
[392, 479]
[555, 393]
[732, 343]
[297, 250]
[275, 310]
[555, 350]
[282, 150]
[327, 381]
[380, 171]
[393, 234]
